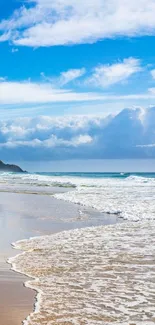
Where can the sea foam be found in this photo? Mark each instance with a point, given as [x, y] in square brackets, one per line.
[131, 198]
[99, 275]
[94, 276]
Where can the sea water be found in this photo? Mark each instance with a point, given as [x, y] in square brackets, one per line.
[131, 196]
[99, 275]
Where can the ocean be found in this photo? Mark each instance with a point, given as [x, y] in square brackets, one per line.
[94, 275]
[129, 195]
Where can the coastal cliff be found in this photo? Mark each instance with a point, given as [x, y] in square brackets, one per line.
[10, 168]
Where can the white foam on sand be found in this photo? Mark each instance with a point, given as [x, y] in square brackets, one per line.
[101, 275]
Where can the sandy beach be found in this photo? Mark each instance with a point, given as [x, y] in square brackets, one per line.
[28, 215]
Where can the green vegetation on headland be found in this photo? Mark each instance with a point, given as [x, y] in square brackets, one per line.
[10, 168]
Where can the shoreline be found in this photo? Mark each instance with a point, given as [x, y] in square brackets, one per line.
[16, 300]
[34, 215]
[34, 283]
[37, 294]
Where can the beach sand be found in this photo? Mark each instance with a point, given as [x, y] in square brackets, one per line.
[23, 216]
[16, 302]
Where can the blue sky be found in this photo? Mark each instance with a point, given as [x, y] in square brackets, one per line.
[62, 58]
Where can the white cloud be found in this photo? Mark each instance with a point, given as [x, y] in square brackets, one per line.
[52, 89]
[5, 37]
[153, 73]
[17, 131]
[51, 142]
[47, 132]
[82, 139]
[80, 136]
[152, 145]
[65, 77]
[59, 22]
[106, 75]
[14, 50]
[152, 90]
[71, 75]
[32, 93]
[28, 92]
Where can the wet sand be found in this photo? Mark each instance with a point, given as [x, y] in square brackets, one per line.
[16, 302]
[27, 215]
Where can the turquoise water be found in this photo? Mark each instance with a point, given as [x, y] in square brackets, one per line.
[97, 175]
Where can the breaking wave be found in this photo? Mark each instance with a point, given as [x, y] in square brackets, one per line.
[131, 198]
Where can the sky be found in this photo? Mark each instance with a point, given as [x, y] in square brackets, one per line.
[68, 58]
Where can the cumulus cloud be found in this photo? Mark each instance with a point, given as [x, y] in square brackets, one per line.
[51, 137]
[129, 134]
[59, 22]
[51, 142]
[106, 75]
